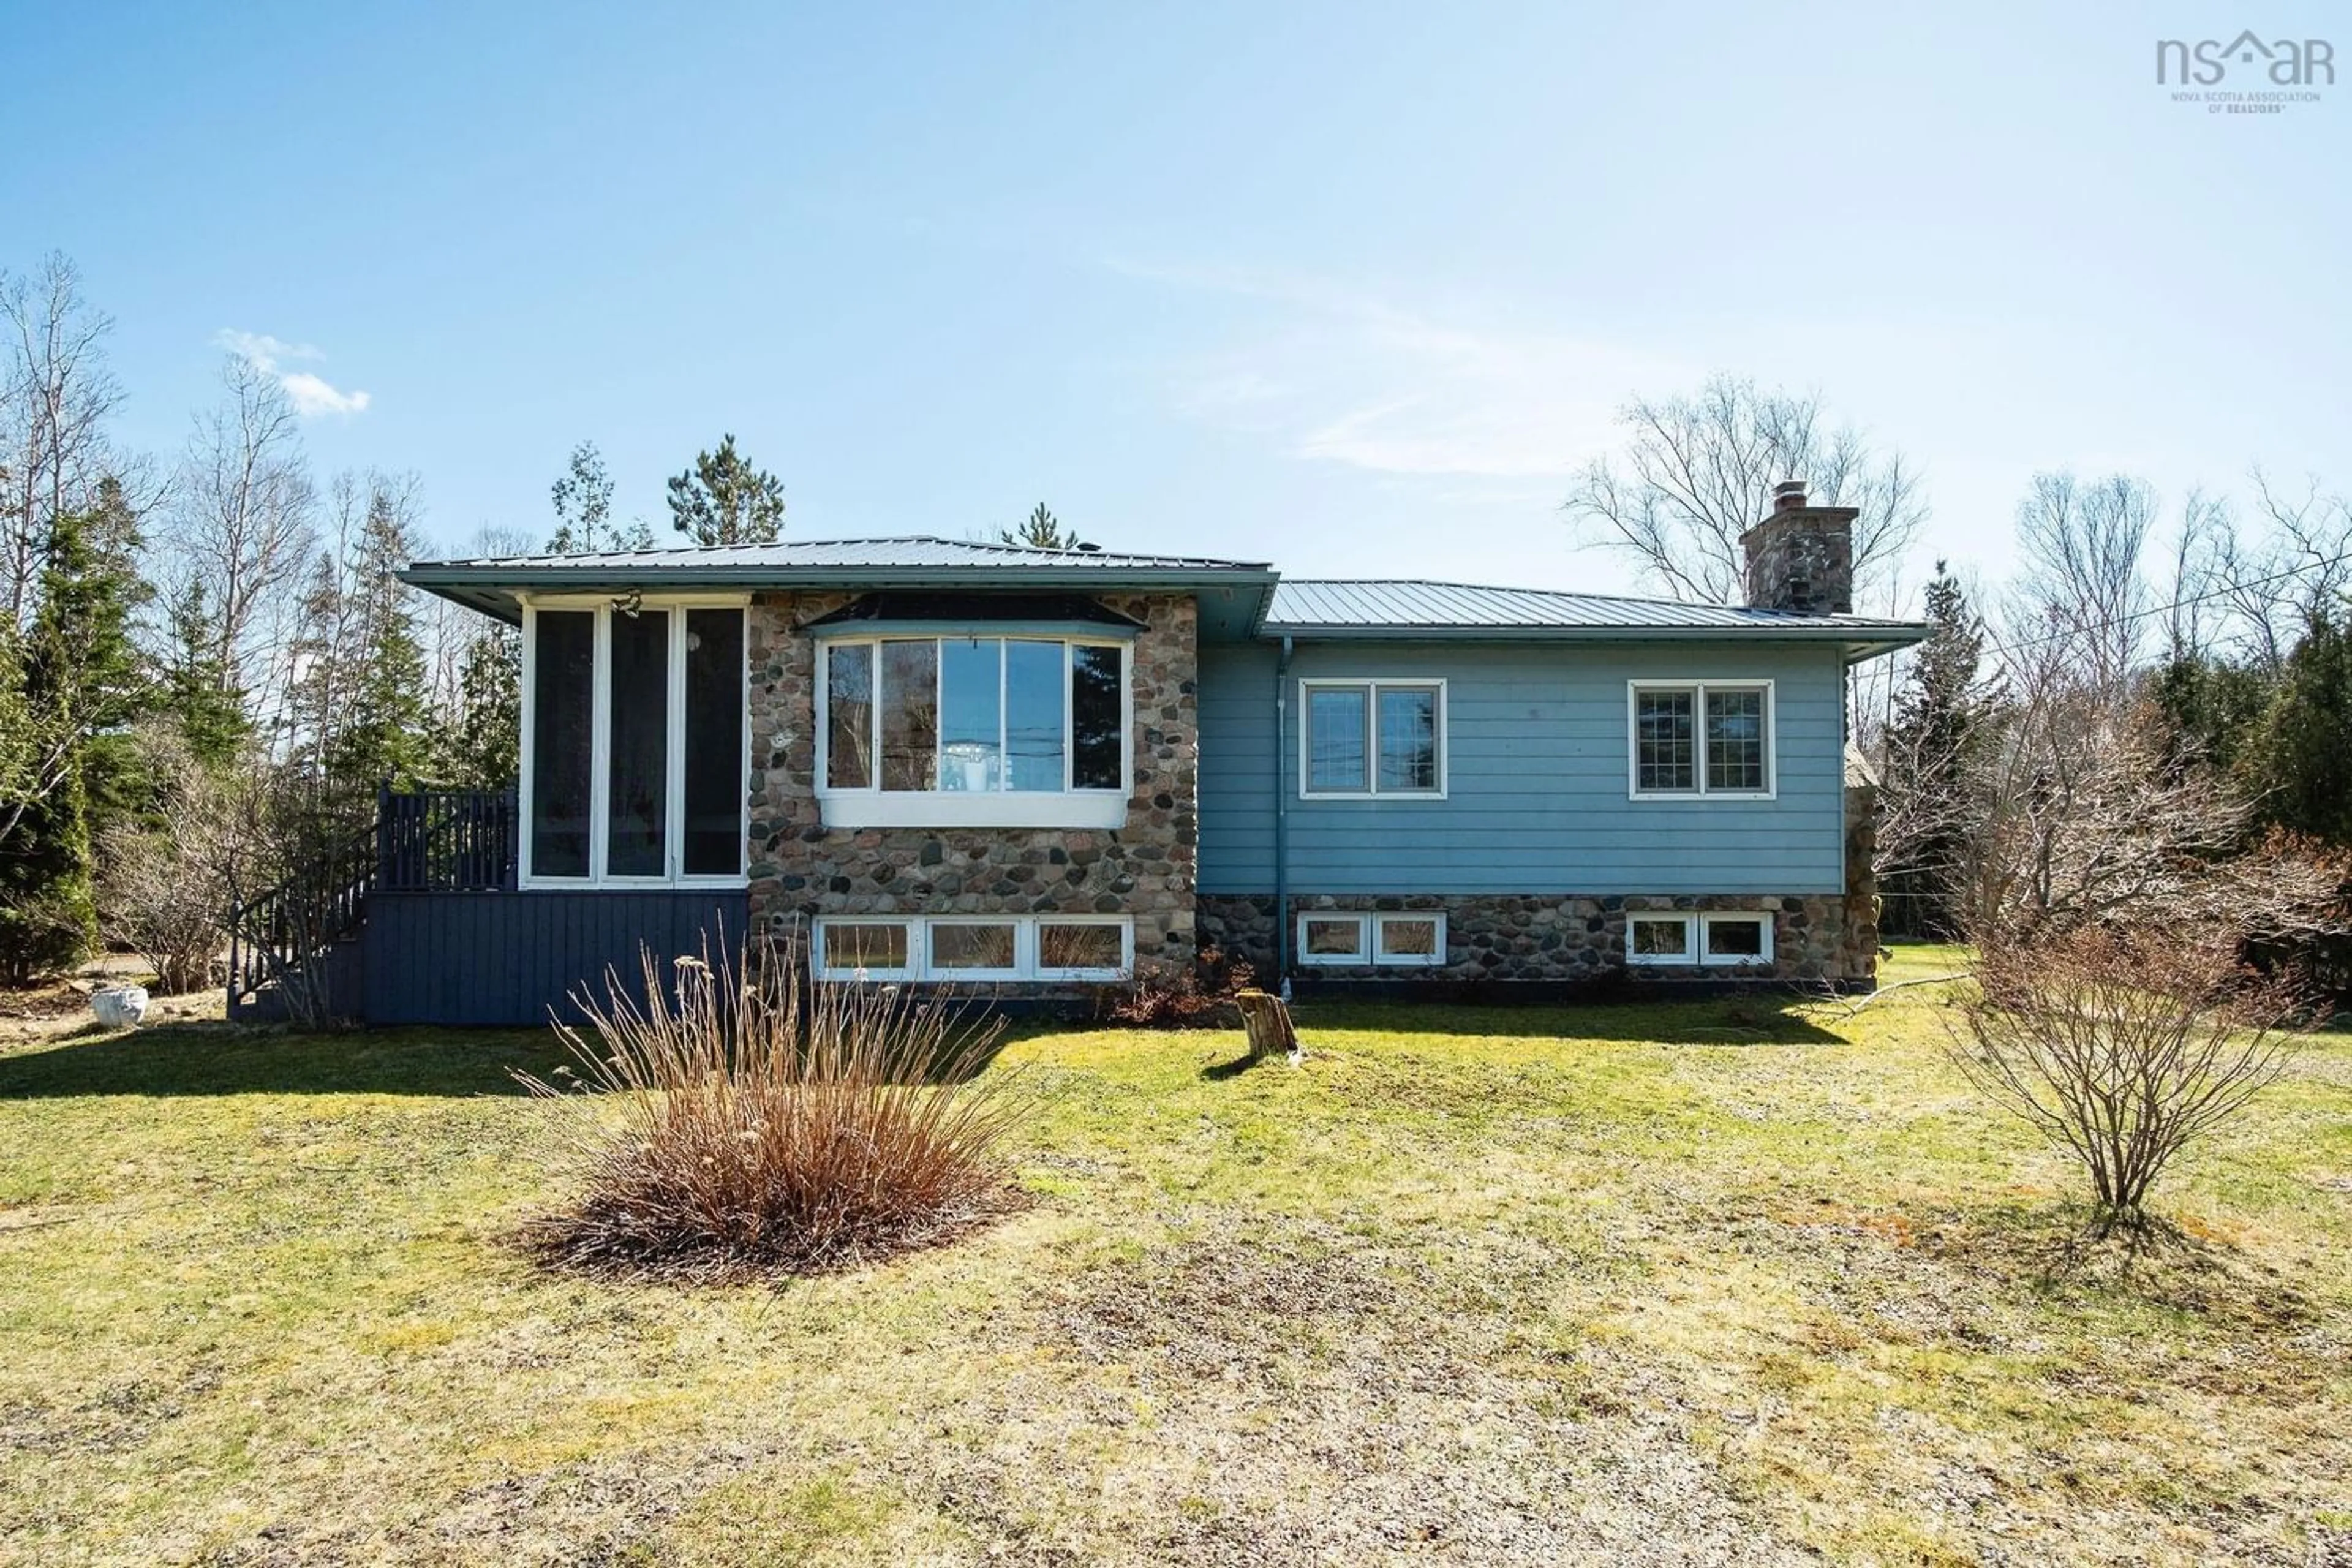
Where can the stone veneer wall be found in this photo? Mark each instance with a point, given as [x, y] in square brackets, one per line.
[799, 868]
[1514, 937]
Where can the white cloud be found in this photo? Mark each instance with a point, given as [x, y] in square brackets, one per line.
[1340, 374]
[312, 395]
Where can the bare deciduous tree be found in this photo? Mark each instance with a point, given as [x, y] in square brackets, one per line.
[2292, 559]
[165, 892]
[56, 394]
[2121, 1049]
[244, 525]
[2085, 598]
[1697, 472]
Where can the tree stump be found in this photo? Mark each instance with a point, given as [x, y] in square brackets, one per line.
[1267, 1019]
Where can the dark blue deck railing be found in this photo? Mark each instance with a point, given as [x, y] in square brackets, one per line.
[447, 841]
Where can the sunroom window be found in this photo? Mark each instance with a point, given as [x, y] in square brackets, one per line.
[979, 730]
[634, 763]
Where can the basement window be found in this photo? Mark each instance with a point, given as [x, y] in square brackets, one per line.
[972, 949]
[1388, 941]
[1660, 938]
[1736, 939]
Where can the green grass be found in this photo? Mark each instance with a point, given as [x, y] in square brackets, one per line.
[1481, 1285]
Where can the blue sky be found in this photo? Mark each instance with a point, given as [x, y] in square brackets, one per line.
[1353, 286]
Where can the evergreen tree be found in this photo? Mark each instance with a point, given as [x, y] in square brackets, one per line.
[724, 499]
[584, 510]
[80, 686]
[195, 689]
[1041, 530]
[2300, 758]
[477, 743]
[2214, 706]
[381, 731]
[1942, 721]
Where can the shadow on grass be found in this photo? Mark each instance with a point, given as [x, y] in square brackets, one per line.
[1777, 1020]
[2069, 1248]
[215, 1059]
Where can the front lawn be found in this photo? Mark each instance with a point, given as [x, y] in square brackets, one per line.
[1723, 1280]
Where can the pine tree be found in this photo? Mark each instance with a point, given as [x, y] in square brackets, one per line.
[2302, 756]
[724, 499]
[584, 510]
[195, 690]
[81, 684]
[380, 732]
[477, 743]
[1942, 720]
[1041, 530]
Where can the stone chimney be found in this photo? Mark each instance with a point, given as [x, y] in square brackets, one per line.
[1801, 557]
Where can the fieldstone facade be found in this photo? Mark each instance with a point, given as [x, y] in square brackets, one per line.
[1559, 940]
[799, 868]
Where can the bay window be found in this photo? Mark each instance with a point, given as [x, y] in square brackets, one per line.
[634, 765]
[973, 731]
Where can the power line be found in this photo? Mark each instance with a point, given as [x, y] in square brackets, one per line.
[2113, 622]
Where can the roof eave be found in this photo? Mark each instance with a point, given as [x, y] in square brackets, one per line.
[1860, 642]
[496, 590]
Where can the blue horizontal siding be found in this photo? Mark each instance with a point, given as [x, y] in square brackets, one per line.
[1536, 777]
[516, 958]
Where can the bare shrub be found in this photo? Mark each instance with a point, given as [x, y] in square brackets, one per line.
[164, 891]
[770, 1126]
[2121, 1047]
[1172, 995]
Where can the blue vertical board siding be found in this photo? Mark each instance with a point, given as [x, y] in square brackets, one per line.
[1537, 777]
[514, 958]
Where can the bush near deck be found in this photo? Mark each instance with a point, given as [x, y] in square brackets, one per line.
[1732, 1278]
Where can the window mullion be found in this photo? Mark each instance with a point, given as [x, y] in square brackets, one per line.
[674, 746]
[1372, 737]
[600, 740]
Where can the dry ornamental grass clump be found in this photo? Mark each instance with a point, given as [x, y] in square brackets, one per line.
[768, 1125]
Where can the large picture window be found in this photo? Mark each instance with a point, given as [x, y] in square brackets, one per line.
[1371, 738]
[1004, 730]
[634, 762]
[1701, 738]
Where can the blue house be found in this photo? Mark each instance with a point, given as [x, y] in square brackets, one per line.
[1038, 772]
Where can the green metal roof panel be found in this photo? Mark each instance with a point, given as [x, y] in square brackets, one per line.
[1411, 608]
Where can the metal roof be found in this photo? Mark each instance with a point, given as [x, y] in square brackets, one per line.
[1416, 609]
[493, 584]
[788, 557]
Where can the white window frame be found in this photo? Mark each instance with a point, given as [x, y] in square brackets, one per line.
[1125, 926]
[1698, 690]
[1023, 937]
[1360, 957]
[1410, 960]
[600, 743]
[1736, 960]
[826, 969]
[1371, 686]
[1027, 949]
[1069, 806]
[1367, 939]
[1686, 959]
